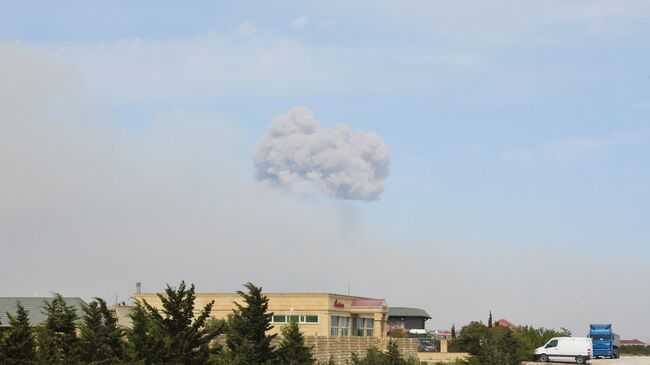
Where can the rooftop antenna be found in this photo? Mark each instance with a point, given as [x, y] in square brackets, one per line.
[138, 287]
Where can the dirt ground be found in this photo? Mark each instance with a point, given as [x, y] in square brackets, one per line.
[624, 360]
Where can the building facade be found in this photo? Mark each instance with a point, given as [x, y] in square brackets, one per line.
[404, 318]
[318, 314]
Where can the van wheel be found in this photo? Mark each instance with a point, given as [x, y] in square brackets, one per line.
[580, 360]
[543, 358]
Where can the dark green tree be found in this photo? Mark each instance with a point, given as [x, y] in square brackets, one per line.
[100, 337]
[57, 338]
[292, 349]
[393, 356]
[248, 341]
[490, 320]
[453, 331]
[172, 335]
[144, 343]
[18, 344]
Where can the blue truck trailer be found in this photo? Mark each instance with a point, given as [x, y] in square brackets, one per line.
[606, 342]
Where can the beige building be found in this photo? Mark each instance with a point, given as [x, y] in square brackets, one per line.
[324, 314]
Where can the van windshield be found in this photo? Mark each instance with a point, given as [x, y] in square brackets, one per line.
[600, 337]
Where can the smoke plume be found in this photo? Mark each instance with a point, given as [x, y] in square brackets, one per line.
[299, 154]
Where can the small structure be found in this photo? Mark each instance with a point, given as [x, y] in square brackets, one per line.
[34, 307]
[633, 342]
[406, 318]
[442, 335]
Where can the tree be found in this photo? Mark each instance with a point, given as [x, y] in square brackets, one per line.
[172, 335]
[100, 337]
[453, 331]
[57, 339]
[292, 349]
[490, 320]
[18, 345]
[393, 356]
[248, 324]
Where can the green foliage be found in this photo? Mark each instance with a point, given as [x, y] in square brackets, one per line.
[453, 331]
[500, 345]
[635, 350]
[172, 335]
[248, 341]
[18, 344]
[100, 337]
[490, 320]
[57, 338]
[392, 356]
[292, 349]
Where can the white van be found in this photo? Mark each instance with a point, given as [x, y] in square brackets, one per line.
[578, 349]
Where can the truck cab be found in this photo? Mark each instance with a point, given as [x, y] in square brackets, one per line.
[606, 342]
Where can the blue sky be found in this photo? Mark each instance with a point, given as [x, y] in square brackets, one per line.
[516, 130]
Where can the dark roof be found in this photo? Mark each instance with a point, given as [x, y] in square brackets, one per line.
[34, 307]
[407, 312]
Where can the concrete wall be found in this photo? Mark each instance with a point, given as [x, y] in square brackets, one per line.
[437, 357]
[341, 348]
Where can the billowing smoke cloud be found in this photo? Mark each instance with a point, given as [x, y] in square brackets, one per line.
[299, 154]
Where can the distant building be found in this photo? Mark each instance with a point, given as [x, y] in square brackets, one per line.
[634, 342]
[34, 307]
[317, 314]
[442, 335]
[404, 318]
[504, 323]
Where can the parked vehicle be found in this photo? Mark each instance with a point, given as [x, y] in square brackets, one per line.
[578, 349]
[606, 342]
[426, 346]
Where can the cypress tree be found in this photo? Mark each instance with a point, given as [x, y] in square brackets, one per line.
[292, 349]
[490, 320]
[172, 335]
[453, 331]
[100, 338]
[248, 324]
[144, 344]
[18, 345]
[393, 356]
[57, 338]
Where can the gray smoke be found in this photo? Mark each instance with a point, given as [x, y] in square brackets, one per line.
[298, 154]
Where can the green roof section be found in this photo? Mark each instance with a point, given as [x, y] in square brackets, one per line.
[407, 312]
[34, 307]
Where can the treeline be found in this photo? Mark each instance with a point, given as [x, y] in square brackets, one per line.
[635, 350]
[497, 345]
[171, 335]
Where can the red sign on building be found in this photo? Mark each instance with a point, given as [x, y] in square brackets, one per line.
[338, 304]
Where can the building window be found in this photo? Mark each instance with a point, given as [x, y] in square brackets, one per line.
[345, 325]
[370, 326]
[279, 319]
[299, 319]
[363, 327]
[358, 326]
[334, 331]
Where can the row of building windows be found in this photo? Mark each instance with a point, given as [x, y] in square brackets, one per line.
[360, 326]
[299, 319]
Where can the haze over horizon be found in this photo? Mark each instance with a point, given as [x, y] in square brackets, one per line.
[456, 157]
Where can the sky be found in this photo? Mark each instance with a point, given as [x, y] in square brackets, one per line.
[459, 157]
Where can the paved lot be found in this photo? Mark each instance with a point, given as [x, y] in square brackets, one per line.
[625, 360]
